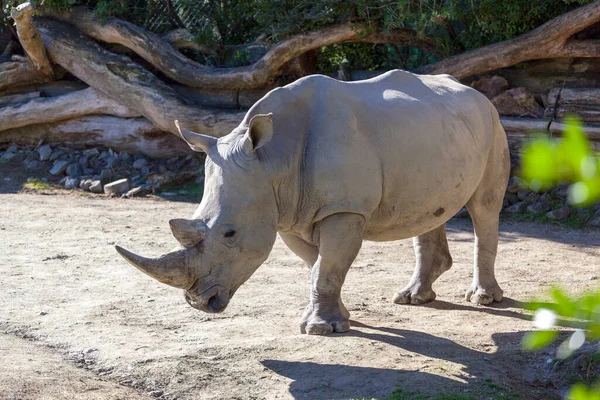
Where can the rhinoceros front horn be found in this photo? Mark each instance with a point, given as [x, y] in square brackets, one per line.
[171, 268]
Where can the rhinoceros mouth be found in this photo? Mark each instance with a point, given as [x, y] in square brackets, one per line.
[212, 300]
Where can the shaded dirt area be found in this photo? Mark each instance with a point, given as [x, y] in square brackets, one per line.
[78, 322]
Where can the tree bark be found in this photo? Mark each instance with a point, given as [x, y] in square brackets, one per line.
[117, 77]
[30, 39]
[52, 109]
[19, 72]
[551, 40]
[121, 134]
[187, 72]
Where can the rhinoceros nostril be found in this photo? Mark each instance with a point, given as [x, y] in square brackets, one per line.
[214, 303]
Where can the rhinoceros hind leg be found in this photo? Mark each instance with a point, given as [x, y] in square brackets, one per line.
[340, 238]
[433, 259]
[484, 208]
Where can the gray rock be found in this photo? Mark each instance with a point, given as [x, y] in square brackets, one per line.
[505, 203]
[539, 208]
[145, 170]
[559, 213]
[59, 168]
[124, 156]
[462, 213]
[88, 171]
[517, 208]
[73, 170]
[595, 222]
[112, 161]
[12, 149]
[85, 184]
[33, 164]
[104, 155]
[490, 86]
[597, 213]
[517, 102]
[91, 153]
[512, 198]
[136, 191]
[71, 183]
[56, 154]
[106, 175]
[117, 187]
[96, 186]
[514, 185]
[7, 155]
[45, 151]
[523, 193]
[83, 162]
[562, 190]
[140, 163]
[531, 198]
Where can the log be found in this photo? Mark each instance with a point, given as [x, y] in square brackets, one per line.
[121, 134]
[176, 66]
[541, 125]
[119, 78]
[183, 39]
[19, 73]
[581, 102]
[52, 109]
[30, 39]
[550, 40]
[575, 96]
[18, 98]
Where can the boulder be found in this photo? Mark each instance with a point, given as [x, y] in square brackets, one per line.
[71, 183]
[540, 207]
[59, 168]
[515, 184]
[490, 86]
[117, 187]
[73, 170]
[518, 102]
[517, 208]
[559, 213]
[45, 151]
[96, 186]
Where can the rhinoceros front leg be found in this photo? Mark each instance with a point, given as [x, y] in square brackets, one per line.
[433, 259]
[340, 238]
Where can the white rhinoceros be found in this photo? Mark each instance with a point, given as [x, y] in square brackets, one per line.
[328, 164]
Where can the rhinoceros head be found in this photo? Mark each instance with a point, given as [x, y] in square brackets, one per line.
[233, 230]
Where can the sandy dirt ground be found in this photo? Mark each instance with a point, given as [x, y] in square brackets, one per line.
[77, 322]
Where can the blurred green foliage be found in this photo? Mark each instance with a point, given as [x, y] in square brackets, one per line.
[545, 162]
[454, 25]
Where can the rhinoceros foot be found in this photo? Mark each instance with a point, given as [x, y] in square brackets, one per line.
[321, 319]
[480, 294]
[414, 294]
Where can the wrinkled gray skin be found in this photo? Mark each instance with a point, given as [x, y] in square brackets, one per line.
[328, 164]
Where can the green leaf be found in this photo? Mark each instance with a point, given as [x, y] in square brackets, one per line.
[538, 339]
[580, 392]
[565, 306]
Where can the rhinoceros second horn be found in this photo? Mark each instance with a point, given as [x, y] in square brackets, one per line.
[171, 268]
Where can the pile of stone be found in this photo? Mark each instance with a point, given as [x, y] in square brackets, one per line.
[99, 170]
[554, 203]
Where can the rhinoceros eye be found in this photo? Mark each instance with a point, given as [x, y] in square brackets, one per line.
[229, 234]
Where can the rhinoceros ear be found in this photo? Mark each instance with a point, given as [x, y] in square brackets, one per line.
[195, 140]
[260, 131]
[188, 232]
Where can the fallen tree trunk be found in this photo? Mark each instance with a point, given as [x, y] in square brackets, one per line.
[30, 39]
[121, 134]
[117, 77]
[519, 130]
[19, 72]
[176, 66]
[52, 109]
[551, 40]
[581, 102]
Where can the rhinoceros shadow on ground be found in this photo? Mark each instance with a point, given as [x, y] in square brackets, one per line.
[477, 369]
